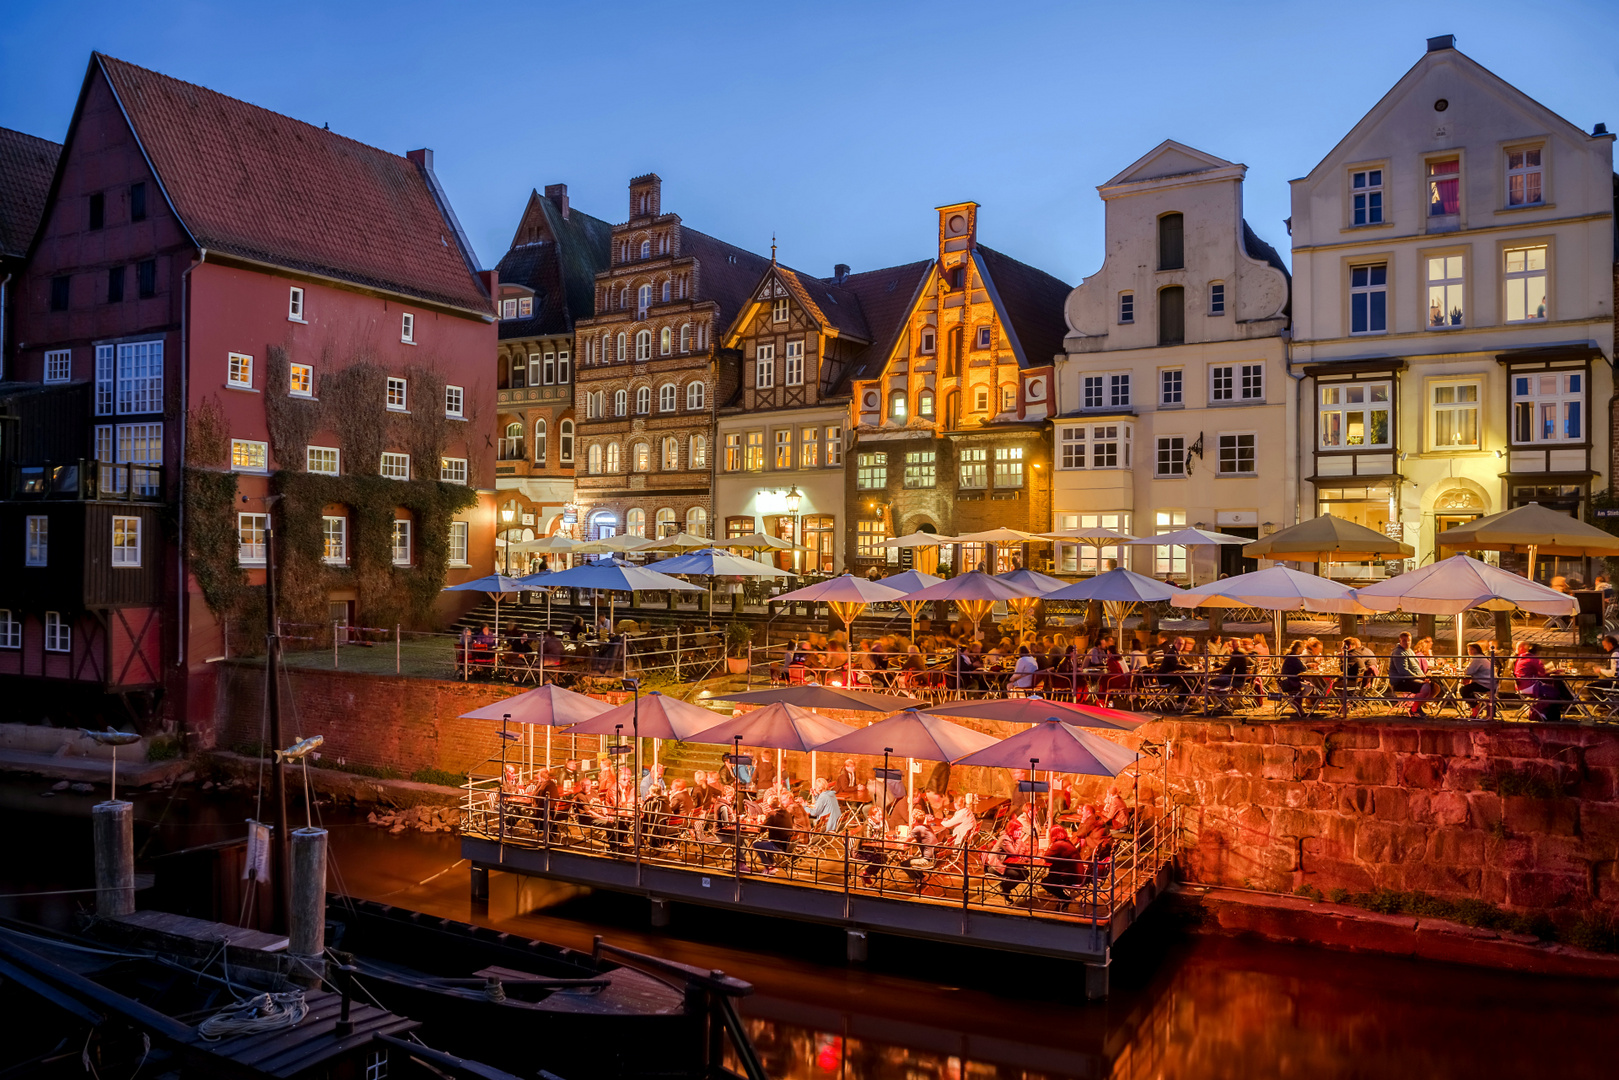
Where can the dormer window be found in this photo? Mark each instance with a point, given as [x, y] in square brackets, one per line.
[525, 307]
[985, 338]
[407, 329]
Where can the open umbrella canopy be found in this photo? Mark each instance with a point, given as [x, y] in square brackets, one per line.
[761, 542]
[912, 734]
[1054, 746]
[1038, 584]
[999, 536]
[546, 543]
[548, 706]
[972, 586]
[493, 583]
[845, 589]
[711, 562]
[616, 578]
[608, 544]
[910, 581]
[916, 540]
[775, 727]
[1116, 586]
[1094, 536]
[1547, 531]
[813, 696]
[1327, 539]
[1188, 538]
[537, 580]
[1460, 583]
[1032, 710]
[1275, 588]
[661, 717]
[680, 541]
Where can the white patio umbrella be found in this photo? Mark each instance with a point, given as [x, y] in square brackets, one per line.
[613, 577]
[911, 735]
[1459, 583]
[548, 706]
[712, 563]
[1038, 585]
[847, 596]
[1094, 536]
[1187, 538]
[496, 585]
[1119, 590]
[680, 541]
[911, 581]
[1277, 589]
[925, 544]
[973, 593]
[760, 542]
[1000, 538]
[621, 544]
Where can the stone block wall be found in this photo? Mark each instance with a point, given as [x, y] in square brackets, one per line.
[1524, 816]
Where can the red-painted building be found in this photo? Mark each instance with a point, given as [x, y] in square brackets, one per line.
[223, 304]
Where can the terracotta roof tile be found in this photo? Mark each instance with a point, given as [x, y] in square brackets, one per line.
[886, 297]
[726, 274]
[27, 165]
[562, 271]
[1033, 302]
[249, 182]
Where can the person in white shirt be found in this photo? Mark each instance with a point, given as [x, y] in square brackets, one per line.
[1024, 671]
[961, 823]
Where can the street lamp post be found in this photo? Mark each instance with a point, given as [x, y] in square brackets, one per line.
[506, 515]
[794, 498]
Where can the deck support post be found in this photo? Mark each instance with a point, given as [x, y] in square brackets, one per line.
[660, 912]
[480, 883]
[854, 943]
[1096, 978]
[113, 827]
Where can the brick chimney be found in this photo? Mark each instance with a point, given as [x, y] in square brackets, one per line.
[558, 194]
[423, 157]
[839, 273]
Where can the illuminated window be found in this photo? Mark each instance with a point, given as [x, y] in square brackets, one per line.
[240, 370]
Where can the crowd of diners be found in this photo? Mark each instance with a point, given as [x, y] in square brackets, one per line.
[892, 838]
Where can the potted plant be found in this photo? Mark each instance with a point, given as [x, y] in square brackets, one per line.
[738, 637]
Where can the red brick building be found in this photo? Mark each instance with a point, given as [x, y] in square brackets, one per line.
[27, 164]
[223, 305]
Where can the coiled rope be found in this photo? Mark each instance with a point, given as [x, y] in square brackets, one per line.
[254, 1015]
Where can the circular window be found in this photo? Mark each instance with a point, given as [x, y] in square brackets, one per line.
[1441, 105]
[871, 399]
[958, 224]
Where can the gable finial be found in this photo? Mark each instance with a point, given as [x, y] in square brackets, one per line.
[772, 249]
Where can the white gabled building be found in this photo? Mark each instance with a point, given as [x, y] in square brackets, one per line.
[1173, 404]
[1453, 261]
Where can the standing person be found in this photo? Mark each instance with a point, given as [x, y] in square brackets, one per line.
[1609, 668]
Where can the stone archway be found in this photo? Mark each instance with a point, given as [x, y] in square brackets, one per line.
[1446, 505]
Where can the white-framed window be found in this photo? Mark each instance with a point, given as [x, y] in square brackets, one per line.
[1075, 558]
[593, 405]
[795, 363]
[1548, 406]
[1524, 178]
[1236, 454]
[593, 460]
[126, 541]
[809, 448]
[508, 309]
[667, 398]
[334, 537]
[1110, 446]
[643, 296]
[898, 405]
[664, 522]
[105, 364]
[1127, 307]
[564, 366]
[252, 545]
[407, 328]
[1237, 382]
[452, 470]
[1071, 447]
[398, 395]
[671, 454]
[10, 630]
[924, 403]
[401, 542]
[641, 454]
[986, 337]
[1009, 466]
[643, 345]
[869, 532]
[37, 540]
[697, 521]
[1453, 415]
[58, 365]
[248, 455]
[699, 453]
[927, 342]
[565, 442]
[1216, 298]
[778, 310]
[1222, 383]
[695, 394]
[753, 458]
[643, 400]
[396, 466]
[920, 469]
[620, 347]
[239, 370]
[1171, 387]
[972, 468]
[1525, 275]
[138, 370]
[764, 367]
[525, 307]
[324, 460]
[295, 304]
[1366, 193]
[58, 633]
[1369, 298]
[834, 446]
[621, 402]
[1445, 287]
[459, 533]
[300, 380]
[454, 400]
[685, 337]
[1009, 397]
[1171, 460]
[784, 448]
[871, 471]
[666, 341]
[635, 522]
[1169, 561]
[1356, 415]
[539, 442]
[1106, 391]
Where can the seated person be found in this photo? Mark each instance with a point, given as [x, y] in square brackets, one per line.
[872, 851]
[521, 645]
[824, 811]
[1360, 664]
[921, 842]
[1008, 858]
[551, 649]
[961, 822]
[846, 782]
[1062, 873]
[1479, 679]
[1234, 673]
[1405, 674]
[483, 644]
[778, 835]
[1115, 814]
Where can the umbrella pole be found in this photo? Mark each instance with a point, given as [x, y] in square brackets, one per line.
[547, 746]
[1281, 628]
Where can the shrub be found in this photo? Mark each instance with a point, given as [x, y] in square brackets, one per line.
[163, 748]
[1338, 896]
[443, 777]
[1309, 892]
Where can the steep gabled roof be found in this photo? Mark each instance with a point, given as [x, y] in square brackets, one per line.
[1032, 303]
[726, 274]
[829, 303]
[27, 165]
[561, 271]
[1258, 249]
[1168, 158]
[251, 183]
[886, 299]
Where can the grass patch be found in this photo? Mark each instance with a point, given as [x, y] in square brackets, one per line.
[1588, 933]
[376, 772]
[163, 748]
[442, 777]
[1309, 892]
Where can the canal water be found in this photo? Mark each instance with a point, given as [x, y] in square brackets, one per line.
[1183, 1005]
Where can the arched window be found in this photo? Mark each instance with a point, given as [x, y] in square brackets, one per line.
[665, 290]
[621, 402]
[643, 345]
[663, 243]
[539, 442]
[643, 400]
[1171, 242]
[593, 460]
[666, 522]
[697, 521]
[699, 452]
[924, 404]
[643, 300]
[952, 411]
[685, 338]
[643, 457]
[665, 341]
[603, 523]
[896, 405]
[621, 357]
[694, 395]
[623, 298]
[646, 249]
[671, 453]
[666, 397]
[635, 522]
[615, 458]
[511, 443]
[565, 439]
[1172, 315]
[607, 349]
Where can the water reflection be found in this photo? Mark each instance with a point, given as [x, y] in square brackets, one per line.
[1184, 1006]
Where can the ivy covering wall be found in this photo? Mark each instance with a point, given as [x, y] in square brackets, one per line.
[347, 409]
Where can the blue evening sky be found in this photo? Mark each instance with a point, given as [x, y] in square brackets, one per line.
[837, 126]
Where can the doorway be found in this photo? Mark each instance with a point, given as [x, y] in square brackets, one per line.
[1232, 561]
